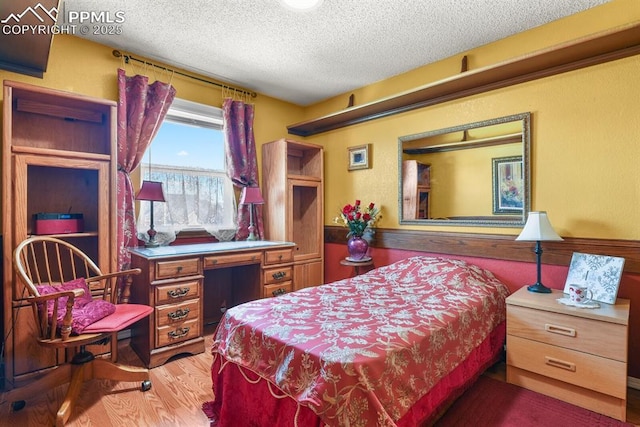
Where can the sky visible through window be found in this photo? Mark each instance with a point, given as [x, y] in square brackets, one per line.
[187, 146]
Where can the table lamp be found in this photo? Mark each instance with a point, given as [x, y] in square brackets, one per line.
[538, 229]
[251, 196]
[152, 192]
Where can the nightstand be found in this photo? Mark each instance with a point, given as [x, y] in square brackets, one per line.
[578, 355]
[357, 265]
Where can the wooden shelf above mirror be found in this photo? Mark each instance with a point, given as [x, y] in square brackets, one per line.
[595, 49]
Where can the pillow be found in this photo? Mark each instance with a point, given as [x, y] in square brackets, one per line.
[79, 283]
[88, 314]
[85, 310]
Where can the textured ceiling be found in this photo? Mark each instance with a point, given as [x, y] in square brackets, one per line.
[305, 57]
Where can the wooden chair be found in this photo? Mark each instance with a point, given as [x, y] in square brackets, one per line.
[43, 263]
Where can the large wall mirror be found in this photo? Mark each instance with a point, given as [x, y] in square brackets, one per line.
[473, 174]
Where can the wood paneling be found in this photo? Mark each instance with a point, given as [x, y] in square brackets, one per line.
[496, 246]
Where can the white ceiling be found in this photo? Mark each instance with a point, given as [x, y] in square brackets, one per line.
[305, 57]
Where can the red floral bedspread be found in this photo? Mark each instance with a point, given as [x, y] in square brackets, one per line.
[361, 351]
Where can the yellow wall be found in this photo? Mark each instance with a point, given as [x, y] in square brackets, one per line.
[585, 133]
[457, 179]
[81, 66]
[585, 124]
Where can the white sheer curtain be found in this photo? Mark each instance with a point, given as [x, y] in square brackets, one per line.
[194, 200]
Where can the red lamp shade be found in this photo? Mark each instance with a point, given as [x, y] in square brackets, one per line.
[251, 195]
[152, 191]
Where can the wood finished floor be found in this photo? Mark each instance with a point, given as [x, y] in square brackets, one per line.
[179, 389]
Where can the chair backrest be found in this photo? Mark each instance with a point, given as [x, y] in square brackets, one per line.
[47, 260]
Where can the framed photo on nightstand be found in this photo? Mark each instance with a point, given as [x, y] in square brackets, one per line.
[600, 273]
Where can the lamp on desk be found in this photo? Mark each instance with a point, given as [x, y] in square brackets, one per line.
[538, 229]
[152, 192]
[251, 196]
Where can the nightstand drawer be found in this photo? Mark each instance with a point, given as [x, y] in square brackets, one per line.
[177, 268]
[277, 289]
[241, 258]
[172, 334]
[177, 292]
[278, 256]
[581, 369]
[577, 333]
[278, 275]
[176, 313]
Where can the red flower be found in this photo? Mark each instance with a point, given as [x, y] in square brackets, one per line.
[358, 219]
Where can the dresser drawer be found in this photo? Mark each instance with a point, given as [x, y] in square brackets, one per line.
[177, 292]
[173, 334]
[584, 370]
[277, 289]
[177, 268]
[591, 336]
[176, 313]
[213, 261]
[279, 256]
[277, 275]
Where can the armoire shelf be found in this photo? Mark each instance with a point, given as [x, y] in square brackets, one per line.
[292, 186]
[584, 52]
[58, 156]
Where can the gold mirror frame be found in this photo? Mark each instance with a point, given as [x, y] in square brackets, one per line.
[415, 146]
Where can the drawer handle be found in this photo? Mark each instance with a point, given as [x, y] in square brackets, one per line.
[561, 330]
[551, 361]
[214, 261]
[279, 292]
[279, 275]
[179, 314]
[178, 293]
[280, 257]
[179, 268]
[178, 333]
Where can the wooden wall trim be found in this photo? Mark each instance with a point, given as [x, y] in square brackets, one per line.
[495, 246]
[594, 49]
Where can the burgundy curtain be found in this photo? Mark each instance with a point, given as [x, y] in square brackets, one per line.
[141, 109]
[242, 162]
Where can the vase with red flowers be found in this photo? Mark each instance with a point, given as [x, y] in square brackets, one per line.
[359, 220]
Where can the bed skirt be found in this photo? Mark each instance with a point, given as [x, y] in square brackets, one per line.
[242, 398]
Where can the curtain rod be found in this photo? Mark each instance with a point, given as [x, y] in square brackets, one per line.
[128, 58]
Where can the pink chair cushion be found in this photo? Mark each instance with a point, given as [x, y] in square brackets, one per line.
[124, 315]
[87, 315]
[93, 316]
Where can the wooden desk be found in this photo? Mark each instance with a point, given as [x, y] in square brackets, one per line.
[193, 285]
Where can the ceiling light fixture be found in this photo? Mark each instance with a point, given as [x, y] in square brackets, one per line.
[302, 5]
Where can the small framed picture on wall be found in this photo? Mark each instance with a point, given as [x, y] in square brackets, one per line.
[359, 157]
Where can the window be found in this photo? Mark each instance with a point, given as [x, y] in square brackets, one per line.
[187, 156]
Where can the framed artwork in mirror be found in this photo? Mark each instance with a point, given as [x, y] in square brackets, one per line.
[508, 185]
[359, 157]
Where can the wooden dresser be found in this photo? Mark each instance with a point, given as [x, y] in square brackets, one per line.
[578, 355]
[190, 286]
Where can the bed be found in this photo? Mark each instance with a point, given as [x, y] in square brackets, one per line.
[391, 347]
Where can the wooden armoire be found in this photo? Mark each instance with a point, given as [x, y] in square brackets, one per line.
[58, 157]
[292, 187]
